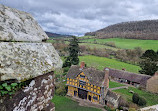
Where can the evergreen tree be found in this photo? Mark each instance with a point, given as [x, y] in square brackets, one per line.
[149, 62]
[73, 49]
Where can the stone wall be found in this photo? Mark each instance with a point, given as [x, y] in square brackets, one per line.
[24, 55]
[152, 84]
[35, 97]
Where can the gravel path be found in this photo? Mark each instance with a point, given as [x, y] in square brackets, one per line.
[122, 87]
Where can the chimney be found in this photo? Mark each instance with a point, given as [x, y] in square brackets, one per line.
[123, 69]
[106, 77]
[82, 65]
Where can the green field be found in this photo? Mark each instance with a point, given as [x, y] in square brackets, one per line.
[128, 43]
[113, 84]
[102, 62]
[151, 99]
[98, 46]
[63, 103]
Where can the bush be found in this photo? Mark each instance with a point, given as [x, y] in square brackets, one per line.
[112, 44]
[142, 101]
[135, 98]
[132, 109]
[138, 100]
[66, 69]
[60, 89]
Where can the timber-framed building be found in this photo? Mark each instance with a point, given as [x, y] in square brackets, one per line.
[88, 83]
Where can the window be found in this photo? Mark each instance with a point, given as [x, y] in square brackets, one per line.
[95, 98]
[82, 76]
[83, 83]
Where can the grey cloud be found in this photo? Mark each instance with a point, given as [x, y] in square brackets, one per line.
[80, 16]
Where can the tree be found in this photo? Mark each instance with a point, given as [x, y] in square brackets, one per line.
[135, 98]
[142, 101]
[73, 49]
[149, 62]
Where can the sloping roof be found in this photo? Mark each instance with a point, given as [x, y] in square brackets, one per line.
[138, 78]
[112, 98]
[95, 77]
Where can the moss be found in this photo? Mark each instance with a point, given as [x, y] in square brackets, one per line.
[18, 62]
[1, 66]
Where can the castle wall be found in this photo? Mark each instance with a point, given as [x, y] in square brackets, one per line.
[35, 97]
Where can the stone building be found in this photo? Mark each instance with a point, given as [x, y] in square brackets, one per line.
[152, 83]
[137, 80]
[25, 57]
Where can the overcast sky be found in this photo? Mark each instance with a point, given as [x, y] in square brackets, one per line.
[80, 16]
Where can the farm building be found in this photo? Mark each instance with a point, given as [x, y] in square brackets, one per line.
[137, 80]
[90, 84]
[152, 84]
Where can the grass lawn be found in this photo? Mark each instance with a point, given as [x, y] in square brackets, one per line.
[128, 43]
[102, 62]
[63, 103]
[151, 99]
[113, 84]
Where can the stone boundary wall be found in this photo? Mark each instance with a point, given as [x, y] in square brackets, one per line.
[35, 97]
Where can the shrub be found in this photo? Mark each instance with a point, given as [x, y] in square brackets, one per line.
[135, 98]
[66, 69]
[132, 109]
[142, 101]
[133, 106]
[112, 44]
[138, 100]
[60, 89]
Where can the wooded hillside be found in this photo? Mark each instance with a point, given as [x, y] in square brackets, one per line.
[147, 29]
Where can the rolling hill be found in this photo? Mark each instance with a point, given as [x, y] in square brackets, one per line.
[55, 35]
[147, 29]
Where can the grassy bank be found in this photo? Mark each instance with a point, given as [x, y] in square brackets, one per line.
[102, 62]
[63, 103]
[113, 84]
[151, 99]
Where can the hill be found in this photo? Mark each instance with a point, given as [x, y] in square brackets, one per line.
[147, 29]
[55, 35]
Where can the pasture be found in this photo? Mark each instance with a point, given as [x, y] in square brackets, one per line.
[102, 62]
[127, 43]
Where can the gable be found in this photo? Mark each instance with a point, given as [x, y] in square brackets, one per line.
[81, 76]
[93, 76]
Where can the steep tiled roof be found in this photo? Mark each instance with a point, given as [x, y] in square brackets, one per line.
[95, 77]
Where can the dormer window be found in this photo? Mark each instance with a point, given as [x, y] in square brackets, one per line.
[82, 76]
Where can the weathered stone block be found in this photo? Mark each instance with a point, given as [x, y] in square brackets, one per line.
[22, 61]
[17, 25]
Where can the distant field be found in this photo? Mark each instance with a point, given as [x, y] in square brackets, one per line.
[128, 43]
[151, 99]
[66, 104]
[98, 46]
[102, 62]
[50, 41]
